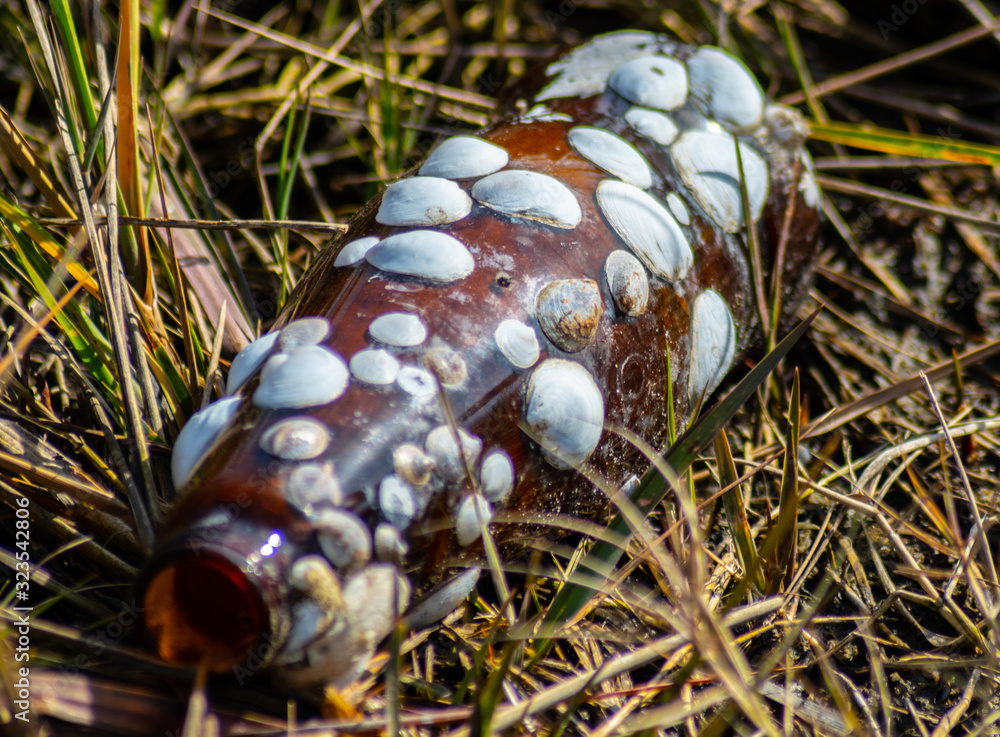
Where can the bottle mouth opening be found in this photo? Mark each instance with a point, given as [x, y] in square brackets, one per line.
[201, 609]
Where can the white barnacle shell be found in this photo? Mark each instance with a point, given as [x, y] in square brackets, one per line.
[584, 71]
[441, 447]
[627, 282]
[312, 576]
[442, 600]
[426, 254]
[373, 600]
[517, 342]
[424, 496]
[317, 604]
[313, 486]
[248, 360]
[807, 181]
[423, 201]
[542, 114]
[472, 509]
[568, 311]
[198, 435]
[390, 546]
[343, 538]
[303, 332]
[707, 163]
[725, 89]
[310, 618]
[296, 439]
[412, 465]
[612, 153]
[317, 608]
[713, 344]
[784, 127]
[464, 157]
[530, 195]
[307, 377]
[417, 382]
[447, 365]
[398, 329]
[678, 208]
[656, 126]
[657, 82]
[496, 477]
[374, 366]
[397, 500]
[647, 228]
[353, 252]
[565, 411]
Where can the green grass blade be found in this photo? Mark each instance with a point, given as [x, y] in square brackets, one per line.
[95, 145]
[82, 333]
[74, 56]
[173, 381]
[58, 96]
[671, 417]
[777, 552]
[491, 693]
[733, 501]
[291, 159]
[291, 154]
[393, 135]
[19, 220]
[900, 143]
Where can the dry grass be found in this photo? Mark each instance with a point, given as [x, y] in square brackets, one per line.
[874, 546]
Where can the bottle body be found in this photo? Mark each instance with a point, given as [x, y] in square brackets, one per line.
[465, 347]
